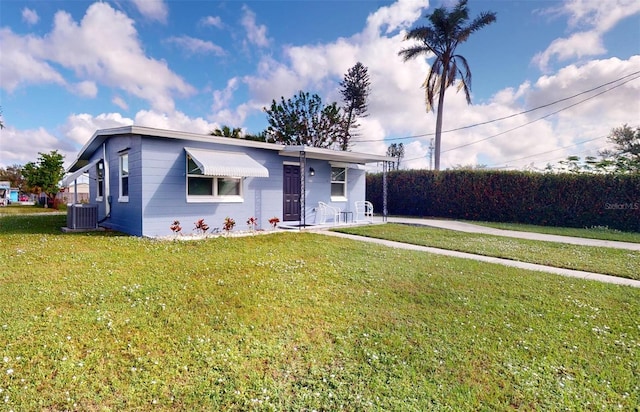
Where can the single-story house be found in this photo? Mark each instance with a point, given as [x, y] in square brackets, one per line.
[143, 179]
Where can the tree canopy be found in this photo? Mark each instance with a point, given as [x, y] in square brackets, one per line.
[445, 32]
[226, 131]
[13, 174]
[304, 120]
[45, 175]
[623, 158]
[396, 150]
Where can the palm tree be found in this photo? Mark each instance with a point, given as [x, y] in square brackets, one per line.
[226, 131]
[440, 39]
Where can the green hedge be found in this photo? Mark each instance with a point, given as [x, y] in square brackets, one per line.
[568, 200]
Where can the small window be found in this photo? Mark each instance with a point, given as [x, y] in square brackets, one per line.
[100, 179]
[338, 184]
[124, 178]
[202, 188]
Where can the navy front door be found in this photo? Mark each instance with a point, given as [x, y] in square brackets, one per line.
[291, 193]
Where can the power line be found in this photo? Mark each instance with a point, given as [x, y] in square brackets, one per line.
[515, 114]
[539, 118]
[548, 151]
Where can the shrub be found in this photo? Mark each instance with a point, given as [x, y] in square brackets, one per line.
[570, 200]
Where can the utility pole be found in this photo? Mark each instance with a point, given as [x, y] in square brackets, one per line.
[431, 148]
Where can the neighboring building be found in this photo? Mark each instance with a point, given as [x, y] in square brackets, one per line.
[74, 193]
[143, 179]
[5, 197]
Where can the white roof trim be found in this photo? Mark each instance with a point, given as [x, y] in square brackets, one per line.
[73, 176]
[232, 164]
[349, 165]
[335, 155]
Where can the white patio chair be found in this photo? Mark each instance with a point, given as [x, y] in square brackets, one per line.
[325, 212]
[364, 211]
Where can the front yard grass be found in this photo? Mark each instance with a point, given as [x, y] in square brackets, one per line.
[299, 321]
[596, 232]
[609, 261]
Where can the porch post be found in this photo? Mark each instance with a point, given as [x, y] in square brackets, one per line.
[384, 190]
[303, 191]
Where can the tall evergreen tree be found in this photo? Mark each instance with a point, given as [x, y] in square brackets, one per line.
[355, 89]
[440, 40]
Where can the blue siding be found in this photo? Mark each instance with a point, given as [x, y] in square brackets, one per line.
[125, 216]
[318, 188]
[158, 194]
[164, 197]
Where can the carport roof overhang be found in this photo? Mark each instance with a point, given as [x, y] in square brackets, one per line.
[334, 155]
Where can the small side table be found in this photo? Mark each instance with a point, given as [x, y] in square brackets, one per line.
[345, 215]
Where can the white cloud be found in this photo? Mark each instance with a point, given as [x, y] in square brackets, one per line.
[80, 127]
[592, 20]
[85, 88]
[222, 98]
[22, 146]
[214, 21]
[174, 121]
[30, 16]
[153, 9]
[94, 49]
[120, 102]
[398, 16]
[21, 62]
[196, 46]
[256, 34]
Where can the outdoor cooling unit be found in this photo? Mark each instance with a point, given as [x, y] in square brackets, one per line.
[82, 216]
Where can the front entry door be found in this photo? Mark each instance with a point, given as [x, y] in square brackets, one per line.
[291, 193]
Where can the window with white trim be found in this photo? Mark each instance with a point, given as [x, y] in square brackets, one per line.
[338, 184]
[201, 188]
[100, 179]
[124, 178]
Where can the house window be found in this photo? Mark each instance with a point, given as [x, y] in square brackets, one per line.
[100, 179]
[124, 178]
[338, 184]
[201, 188]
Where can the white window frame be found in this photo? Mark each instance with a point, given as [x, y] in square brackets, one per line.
[215, 197]
[342, 198]
[99, 180]
[121, 176]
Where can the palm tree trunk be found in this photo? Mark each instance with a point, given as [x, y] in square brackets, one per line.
[436, 162]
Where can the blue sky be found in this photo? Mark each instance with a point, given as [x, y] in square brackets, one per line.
[68, 68]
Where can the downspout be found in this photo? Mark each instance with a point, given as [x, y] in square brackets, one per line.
[105, 182]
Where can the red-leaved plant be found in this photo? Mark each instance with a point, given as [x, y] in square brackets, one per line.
[201, 227]
[252, 222]
[175, 227]
[228, 224]
[274, 221]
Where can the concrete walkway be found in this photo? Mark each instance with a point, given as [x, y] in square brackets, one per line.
[470, 228]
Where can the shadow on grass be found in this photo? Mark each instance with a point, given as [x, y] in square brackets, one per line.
[45, 224]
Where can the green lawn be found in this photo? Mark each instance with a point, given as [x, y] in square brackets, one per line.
[15, 209]
[299, 321]
[617, 262]
[602, 233]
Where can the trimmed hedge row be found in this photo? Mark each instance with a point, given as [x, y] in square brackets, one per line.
[568, 200]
